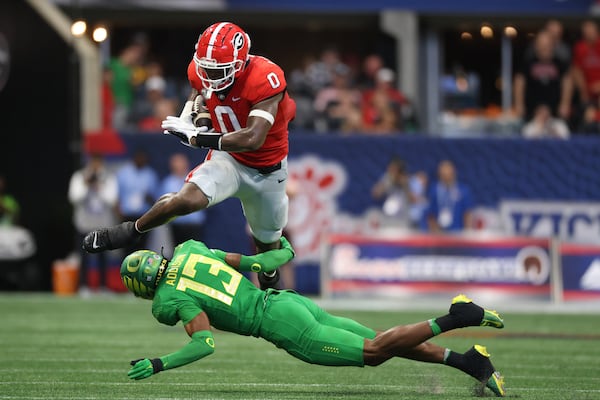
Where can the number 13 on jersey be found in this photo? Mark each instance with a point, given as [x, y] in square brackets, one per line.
[196, 261]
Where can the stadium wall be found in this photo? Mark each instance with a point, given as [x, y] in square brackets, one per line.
[336, 174]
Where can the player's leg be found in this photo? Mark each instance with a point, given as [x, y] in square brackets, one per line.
[172, 205]
[290, 325]
[208, 184]
[398, 340]
[475, 362]
[211, 182]
[265, 205]
[347, 324]
[409, 341]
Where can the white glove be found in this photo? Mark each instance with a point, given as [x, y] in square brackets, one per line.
[188, 112]
[183, 128]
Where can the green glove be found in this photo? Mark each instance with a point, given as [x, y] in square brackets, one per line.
[144, 368]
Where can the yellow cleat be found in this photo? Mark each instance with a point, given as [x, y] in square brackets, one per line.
[461, 298]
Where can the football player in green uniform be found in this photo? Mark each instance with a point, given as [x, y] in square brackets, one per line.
[203, 287]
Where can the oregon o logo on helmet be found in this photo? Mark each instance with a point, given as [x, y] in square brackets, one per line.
[238, 41]
[133, 268]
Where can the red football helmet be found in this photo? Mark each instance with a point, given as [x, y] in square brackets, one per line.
[221, 55]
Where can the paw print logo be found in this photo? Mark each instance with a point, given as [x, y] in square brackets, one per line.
[313, 206]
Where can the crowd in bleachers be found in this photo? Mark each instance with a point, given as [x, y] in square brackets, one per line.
[331, 96]
[557, 86]
[556, 90]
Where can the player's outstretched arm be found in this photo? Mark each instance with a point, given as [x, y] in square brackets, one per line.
[262, 262]
[201, 345]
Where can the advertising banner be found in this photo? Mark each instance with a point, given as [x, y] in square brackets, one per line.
[569, 220]
[372, 267]
[580, 271]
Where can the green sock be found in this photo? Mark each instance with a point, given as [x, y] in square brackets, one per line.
[435, 328]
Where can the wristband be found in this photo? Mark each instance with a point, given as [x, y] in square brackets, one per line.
[157, 365]
[208, 141]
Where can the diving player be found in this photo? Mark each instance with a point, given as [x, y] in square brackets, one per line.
[202, 287]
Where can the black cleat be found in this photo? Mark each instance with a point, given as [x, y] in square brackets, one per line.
[481, 368]
[115, 237]
[470, 314]
[268, 282]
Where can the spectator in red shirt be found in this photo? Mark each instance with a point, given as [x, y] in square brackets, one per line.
[382, 105]
[586, 62]
[108, 100]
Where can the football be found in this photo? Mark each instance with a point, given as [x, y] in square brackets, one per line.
[200, 114]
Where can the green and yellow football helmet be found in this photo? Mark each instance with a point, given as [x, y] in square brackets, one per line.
[141, 271]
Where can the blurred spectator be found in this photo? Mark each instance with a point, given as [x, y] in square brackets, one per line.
[450, 202]
[108, 100]
[303, 95]
[161, 110]
[460, 90]
[138, 186]
[338, 105]
[591, 119]
[544, 125]
[382, 105]
[122, 68]
[153, 91]
[9, 207]
[417, 186]
[370, 66]
[403, 196]
[393, 189]
[320, 73]
[93, 192]
[188, 226]
[586, 63]
[543, 79]
[562, 50]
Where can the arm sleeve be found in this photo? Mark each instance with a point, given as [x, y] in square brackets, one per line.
[201, 345]
[266, 262]
[263, 262]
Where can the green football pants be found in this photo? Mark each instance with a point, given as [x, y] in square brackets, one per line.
[297, 325]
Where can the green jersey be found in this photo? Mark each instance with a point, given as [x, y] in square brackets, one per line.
[197, 280]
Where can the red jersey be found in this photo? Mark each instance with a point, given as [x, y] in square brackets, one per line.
[586, 56]
[260, 80]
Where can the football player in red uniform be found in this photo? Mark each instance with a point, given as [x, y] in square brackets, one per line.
[239, 108]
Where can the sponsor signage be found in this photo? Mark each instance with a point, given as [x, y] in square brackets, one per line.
[570, 221]
[580, 271]
[428, 263]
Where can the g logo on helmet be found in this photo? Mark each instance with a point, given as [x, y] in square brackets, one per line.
[238, 41]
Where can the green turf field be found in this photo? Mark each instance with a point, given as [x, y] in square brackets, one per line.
[69, 348]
